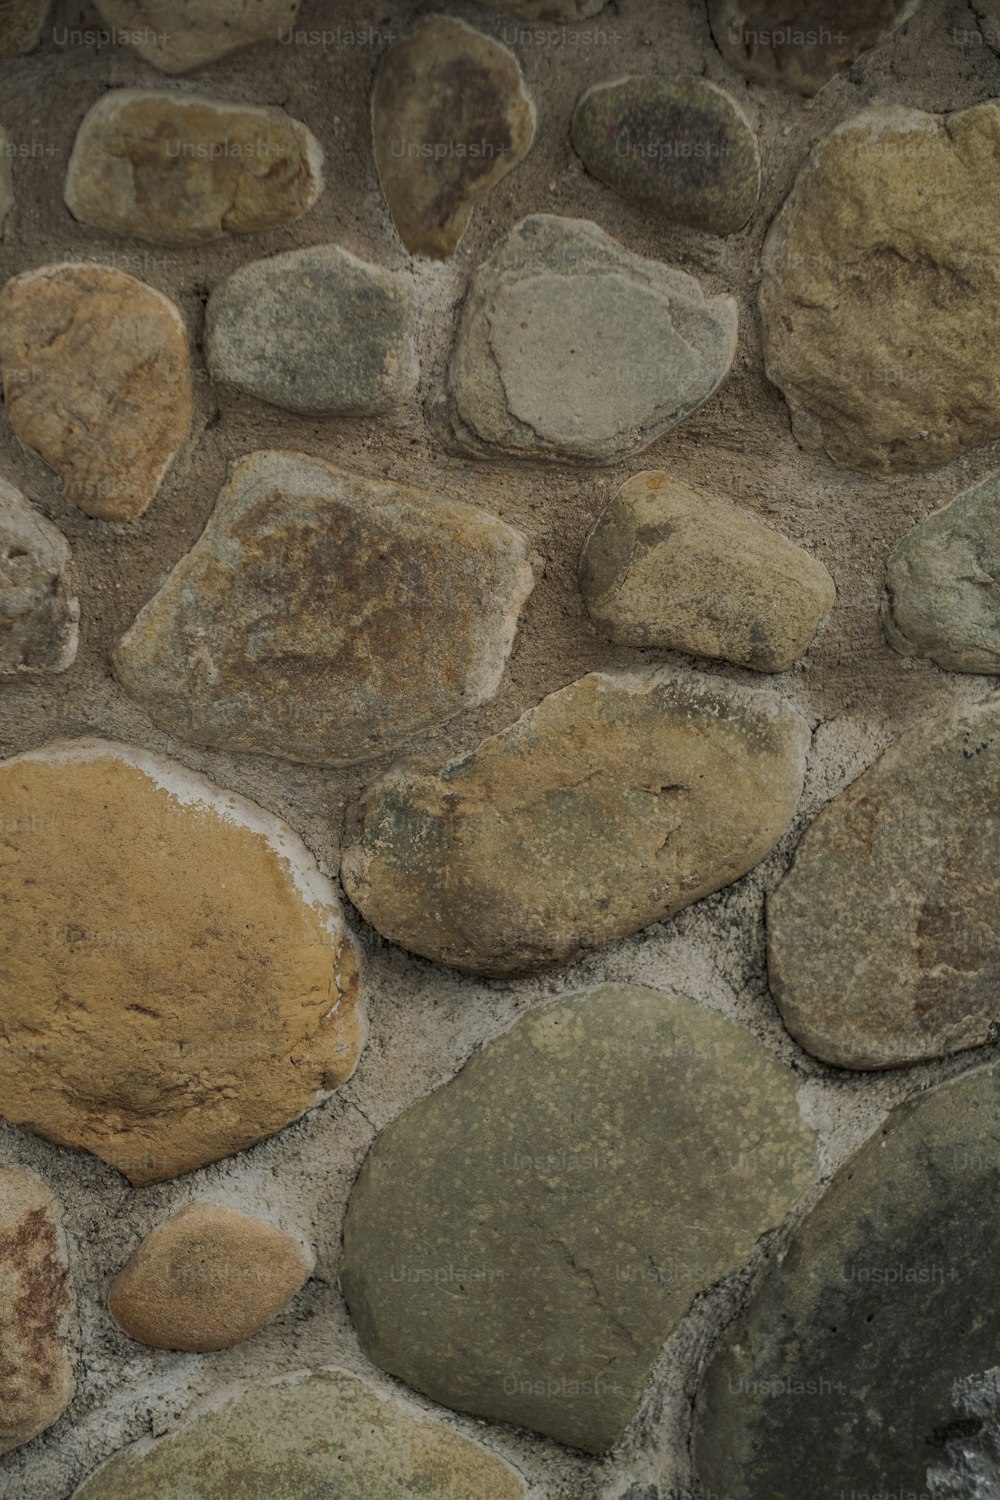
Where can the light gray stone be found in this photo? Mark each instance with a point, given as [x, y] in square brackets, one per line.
[177, 35]
[803, 43]
[39, 612]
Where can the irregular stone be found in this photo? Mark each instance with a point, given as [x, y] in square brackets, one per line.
[678, 145]
[36, 1307]
[326, 617]
[179, 169]
[207, 1278]
[39, 612]
[314, 330]
[883, 942]
[571, 346]
[839, 1378]
[803, 43]
[176, 35]
[178, 981]
[970, 1464]
[669, 568]
[21, 23]
[879, 300]
[307, 1436]
[96, 381]
[549, 1243]
[6, 176]
[944, 585]
[988, 15]
[450, 119]
[612, 804]
[548, 10]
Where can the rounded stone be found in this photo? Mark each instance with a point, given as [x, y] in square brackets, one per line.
[39, 612]
[802, 43]
[21, 25]
[177, 35]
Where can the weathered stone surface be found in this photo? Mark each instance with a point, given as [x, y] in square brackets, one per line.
[944, 585]
[988, 13]
[667, 567]
[327, 617]
[175, 35]
[615, 802]
[803, 43]
[207, 1278]
[679, 145]
[838, 1379]
[549, 1242]
[320, 1435]
[548, 10]
[450, 119]
[177, 982]
[21, 23]
[884, 936]
[880, 297]
[314, 330]
[571, 346]
[36, 1305]
[39, 612]
[96, 381]
[179, 169]
[6, 176]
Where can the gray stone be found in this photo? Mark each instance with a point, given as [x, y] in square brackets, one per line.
[176, 35]
[679, 145]
[988, 14]
[6, 176]
[571, 346]
[612, 804]
[668, 568]
[314, 330]
[21, 23]
[327, 617]
[548, 10]
[840, 1377]
[803, 43]
[884, 936]
[520, 1243]
[39, 612]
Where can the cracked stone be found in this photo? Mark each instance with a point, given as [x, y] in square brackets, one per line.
[21, 25]
[177, 35]
[519, 1243]
[802, 43]
[39, 612]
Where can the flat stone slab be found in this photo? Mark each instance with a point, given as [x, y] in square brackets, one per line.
[133, 889]
[450, 119]
[520, 1243]
[180, 169]
[327, 617]
[666, 567]
[840, 1377]
[878, 301]
[21, 25]
[802, 43]
[884, 936]
[681, 146]
[315, 331]
[612, 804]
[39, 611]
[177, 35]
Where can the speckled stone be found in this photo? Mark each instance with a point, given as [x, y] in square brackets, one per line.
[177, 35]
[21, 25]
[39, 612]
[802, 43]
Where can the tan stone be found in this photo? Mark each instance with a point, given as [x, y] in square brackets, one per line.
[21, 23]
[179, 169]
[96, 381]
[175, 35]
[178, 982]
[207, 1278]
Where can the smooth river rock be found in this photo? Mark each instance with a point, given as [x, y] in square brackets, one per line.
[802, 43]
[520, 1243]
[176, 35]
[21, 25]
[39, 611]
[880, 298]
[177, 981]
[612, 804]
[327, 617]
[671, 569]
[884, 936]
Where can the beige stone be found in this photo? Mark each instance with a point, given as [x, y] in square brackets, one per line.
[178, 982]
[21, 23]
[96, 381]
[176, 35]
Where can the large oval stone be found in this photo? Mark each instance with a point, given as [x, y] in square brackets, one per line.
[176, 35]
[803, 43]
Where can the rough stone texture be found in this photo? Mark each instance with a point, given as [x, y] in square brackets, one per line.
[970, 1465]
[6, 176]
[39, 612]
[21, 23]
[988, 14]
[307, 1436]
[884, 937]
[551, 1310]
[615, 802]
[96, 381]
[176, 35]
[314, 330]
[944, 585]
[179, 169]
[803, 43]
[548, 10]
[177, 980]
[327, 617]
[450, 119]
[679, 145]
[814, 1392]
[570, 346]
[880, 297]
[668, 568]
[207, 1278]
[36, 1306]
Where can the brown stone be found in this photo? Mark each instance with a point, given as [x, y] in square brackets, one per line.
[21, 23]
[803, 43]
[176, 35]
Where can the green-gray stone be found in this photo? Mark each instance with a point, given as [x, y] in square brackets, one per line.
[520, 1243]
[803, 43]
